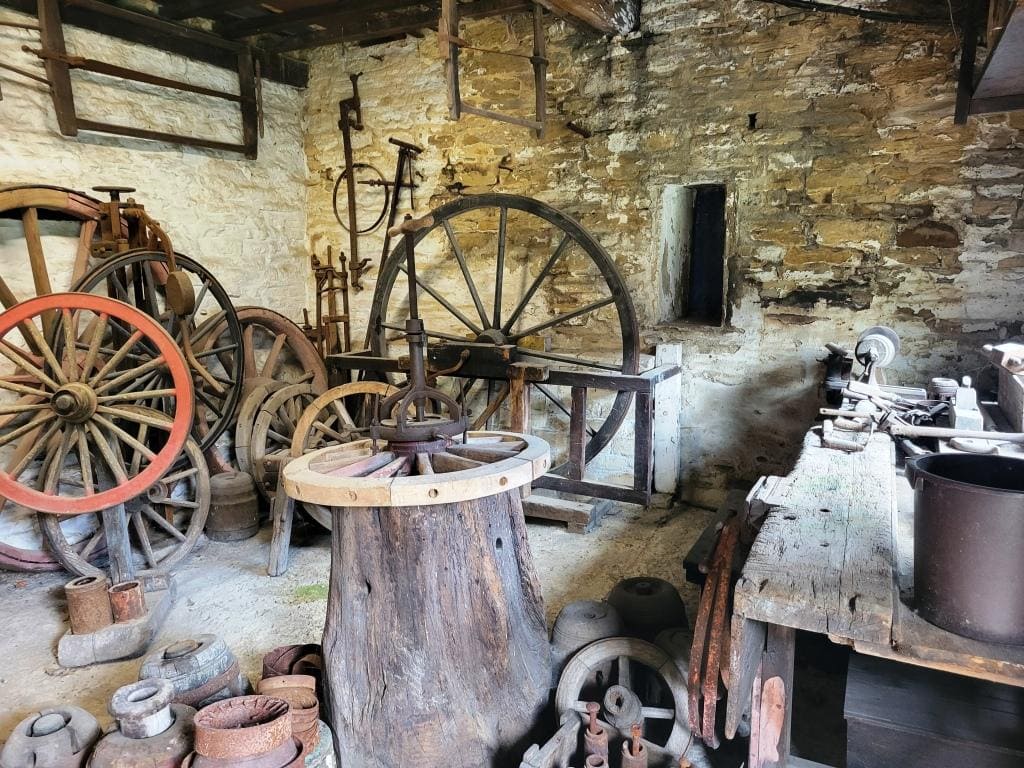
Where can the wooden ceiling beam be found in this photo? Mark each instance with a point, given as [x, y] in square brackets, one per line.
[188, 9]
[323, 15]
[171, 37]
[361, 29]
[612, 17]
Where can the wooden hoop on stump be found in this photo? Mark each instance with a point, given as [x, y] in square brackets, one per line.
[435, 644]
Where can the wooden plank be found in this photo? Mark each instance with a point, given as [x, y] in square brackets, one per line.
[578, 516]
[282, 515]
[822, 561]
[745, 651]
[51, 35]
[590, 488]
[772, 713]
[643, 443]
[519, 399]
[250, 109]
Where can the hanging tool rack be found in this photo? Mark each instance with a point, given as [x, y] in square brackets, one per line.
[59, 63]
[451, 44]
[330, 284]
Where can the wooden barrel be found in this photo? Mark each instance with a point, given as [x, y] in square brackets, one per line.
[435, 644]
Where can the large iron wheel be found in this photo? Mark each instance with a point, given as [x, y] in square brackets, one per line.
[69, 408]
[531, 277]
[139, 278]
[165, 523]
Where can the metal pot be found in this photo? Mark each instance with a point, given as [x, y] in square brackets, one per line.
[969, 544]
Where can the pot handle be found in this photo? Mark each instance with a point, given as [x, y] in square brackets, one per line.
[910, 469]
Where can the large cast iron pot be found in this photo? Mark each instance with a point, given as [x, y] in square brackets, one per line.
[969, 544]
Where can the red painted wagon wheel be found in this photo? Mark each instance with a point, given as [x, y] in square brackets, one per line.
[68, 409]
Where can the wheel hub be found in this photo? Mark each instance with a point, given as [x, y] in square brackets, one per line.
[74, 402]
[492, 336]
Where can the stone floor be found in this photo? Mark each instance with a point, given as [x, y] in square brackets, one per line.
[223, 589]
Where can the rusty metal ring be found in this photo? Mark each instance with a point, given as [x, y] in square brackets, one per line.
[383, 184]
[242, 727]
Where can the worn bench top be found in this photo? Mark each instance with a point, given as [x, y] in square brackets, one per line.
[833, 555]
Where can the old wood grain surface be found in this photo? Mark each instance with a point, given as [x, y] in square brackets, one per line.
[835, 556]
[822, 561]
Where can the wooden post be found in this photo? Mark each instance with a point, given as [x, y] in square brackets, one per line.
[578, 433]
[119, 548]
[772, 708]
[282, 514]
[51, 34]
[435, 644]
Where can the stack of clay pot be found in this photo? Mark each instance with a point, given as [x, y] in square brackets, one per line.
[152, 732]
[250, 731]
[300, 693]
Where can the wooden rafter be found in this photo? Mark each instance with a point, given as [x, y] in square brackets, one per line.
[613, 17]
[332, 14]
[187, 9]
[168, 36]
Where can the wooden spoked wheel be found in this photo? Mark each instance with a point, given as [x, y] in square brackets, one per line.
[511, 271]
[355, 475]
[274, 350]
[165, 522]
[644, 670]
[49, 230]
[70, 409]
[139, 278]
[333, 419]
[274, 429]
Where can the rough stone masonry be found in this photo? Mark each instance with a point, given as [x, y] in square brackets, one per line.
[853, 200]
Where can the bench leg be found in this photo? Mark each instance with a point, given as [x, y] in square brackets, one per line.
[280, 540]
[772, 703]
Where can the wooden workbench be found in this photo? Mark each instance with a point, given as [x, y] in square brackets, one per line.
[835, 556]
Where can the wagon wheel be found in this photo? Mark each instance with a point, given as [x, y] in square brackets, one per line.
[274, 349]
[511, 270]
[367, 176]
[640, 668]
[246, 421]
[48, 218]
[138, 278]
[329, 420]
[71, 412]
[165, 522]
[394, 477]
[274, 429]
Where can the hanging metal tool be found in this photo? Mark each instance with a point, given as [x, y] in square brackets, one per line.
[330, 282]
[406, 153]
[352, 120]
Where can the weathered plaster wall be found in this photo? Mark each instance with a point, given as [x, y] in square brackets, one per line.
[244, 219]
[836, 199]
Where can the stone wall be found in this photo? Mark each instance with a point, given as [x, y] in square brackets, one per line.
[243, 219]
[854, 200]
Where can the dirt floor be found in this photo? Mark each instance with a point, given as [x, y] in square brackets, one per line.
[223, 589]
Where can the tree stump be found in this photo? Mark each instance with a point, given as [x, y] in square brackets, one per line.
[435, 644]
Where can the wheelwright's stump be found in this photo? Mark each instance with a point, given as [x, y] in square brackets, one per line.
[435, 645]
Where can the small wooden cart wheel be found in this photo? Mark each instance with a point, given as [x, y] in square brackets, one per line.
[73, 409]
[355, 475]
[327, 421]
[627, 653]
[166, 522]
[246, 421]
[273, 430]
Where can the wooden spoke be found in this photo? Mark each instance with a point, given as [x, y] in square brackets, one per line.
[142, 533]
[544, 272]
[493, 403]
[56, 464]
[22, 406]
[148, 512]
[249, 361]
[175, 477]
[216, 350]
[116, 359]
[391, 469]
[449, 462]
[22, 361]
[33, 446]
[110, 458]
[360, 467]
[85, 461]
[132, 375]
[499, 267]
[534, 329]
[270, 364]
[423, 465]
[25, 429]
[136, 396]
[84, 250]
[461, 259]
[127, 439]
[37, 261]
[86, 552]
[22, 389]
[447, 305]
[484, 453]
